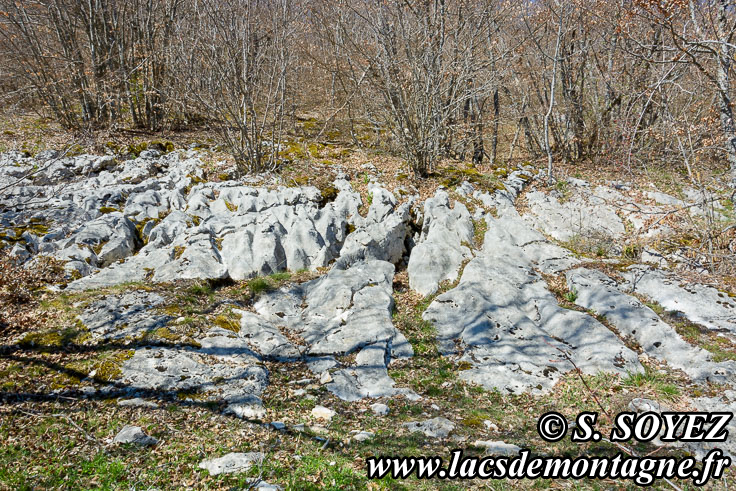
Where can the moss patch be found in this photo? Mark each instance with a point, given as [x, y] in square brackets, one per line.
[225, 322]
[110, 368]
[178, 251]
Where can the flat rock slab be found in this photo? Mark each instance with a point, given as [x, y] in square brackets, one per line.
[379, 409]
[124, 316]
[265, 338]
[138, 402]
[701, 304]
[232, 374]
[583, 214]
[631, 318]
[321, 412]
[345, 311]
[433, 428]
[596, 213]
[231, 463]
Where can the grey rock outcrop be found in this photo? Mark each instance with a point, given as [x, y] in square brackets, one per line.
[380, 235]
[345, 311]
[700, 304]
[443, 245]
[433, 428]
[633, 319]
[583, 214]
[221, 369]
[152, 218]
[517, 327]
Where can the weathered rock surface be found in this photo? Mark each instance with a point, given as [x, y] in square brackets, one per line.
[380, 235]
[583, 214]
[433, 428]
[152, 218]
[379, 409]
[124, 316]
[443, 244]
[138, 402]
[700, 304]
[221, 369]
[345, 311]
[633, 319]
[362, 436]
[598, 213]
[321, 412]
[265, 338]
[493, 447]
[504, 322]
[134, 435]
[231, 463]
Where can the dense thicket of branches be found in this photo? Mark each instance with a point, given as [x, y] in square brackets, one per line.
[625, 82]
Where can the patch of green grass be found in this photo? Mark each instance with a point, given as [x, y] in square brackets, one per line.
[631, 251]
[652, 380]
[480, 227]
[595, 245]
[201, 289]
[571, 295]
[53, 340]
[452, 176]
[109, 368]
[259, 285]
[280, 276]
[315, 471]
[563, 187]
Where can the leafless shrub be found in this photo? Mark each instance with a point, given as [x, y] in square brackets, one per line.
[430, 63]
[238, 69]
[91, 63]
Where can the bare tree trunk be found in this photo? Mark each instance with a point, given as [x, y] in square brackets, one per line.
[725, 105]
[552, 96]
[496, 111]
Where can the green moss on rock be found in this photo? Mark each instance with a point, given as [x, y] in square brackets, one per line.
[227, 323]
[110, 368]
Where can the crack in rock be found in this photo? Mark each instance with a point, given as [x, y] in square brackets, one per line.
[657, 339]
[442, 246]
[700, 304]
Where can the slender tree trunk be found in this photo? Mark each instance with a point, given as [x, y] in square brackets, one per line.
[552, 97]
[725, 105]
[496, 111]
